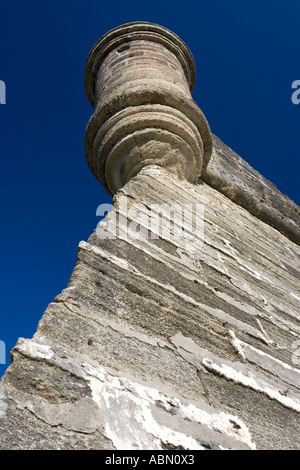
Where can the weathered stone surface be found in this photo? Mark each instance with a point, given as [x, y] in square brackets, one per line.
[179, 328]
[165, 342]
[139, 78]
[231, 175]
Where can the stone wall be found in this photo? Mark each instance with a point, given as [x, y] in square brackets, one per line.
[165, 342]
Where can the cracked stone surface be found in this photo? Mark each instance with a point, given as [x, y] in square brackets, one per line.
[165, 342]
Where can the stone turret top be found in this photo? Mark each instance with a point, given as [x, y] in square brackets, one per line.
[139, 77]
[139, 30]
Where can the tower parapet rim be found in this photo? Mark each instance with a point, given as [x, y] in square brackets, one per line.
[138, 30]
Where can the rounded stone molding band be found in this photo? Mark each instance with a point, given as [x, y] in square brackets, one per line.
[121, 148]
[138, 78]
[131, 99]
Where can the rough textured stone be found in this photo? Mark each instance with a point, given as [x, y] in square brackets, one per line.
[231, 175]
[165, 342]
[179, 328]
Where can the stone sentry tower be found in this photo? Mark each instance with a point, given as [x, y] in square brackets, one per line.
[167, 341]
[139, 78]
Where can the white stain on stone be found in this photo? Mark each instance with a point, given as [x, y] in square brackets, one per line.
[113, 259]
[277, 367]
[237, 345]
[122, 408]
[212, 311]
[151, 170]
[251, 382]
[33, 349]
[130, 424]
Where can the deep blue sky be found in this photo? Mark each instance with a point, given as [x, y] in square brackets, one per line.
[247, 56]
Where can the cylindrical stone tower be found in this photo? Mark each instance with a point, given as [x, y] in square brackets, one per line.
[139, 78]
